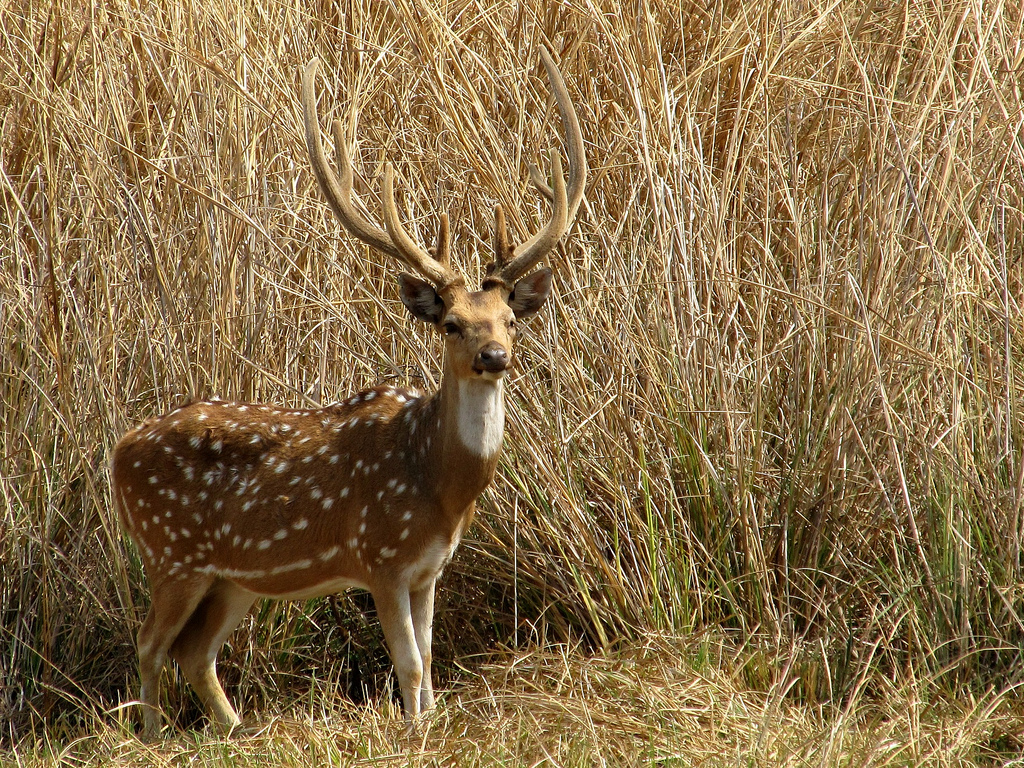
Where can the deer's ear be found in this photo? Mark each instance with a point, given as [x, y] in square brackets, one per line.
[530, 293]
[421, 299]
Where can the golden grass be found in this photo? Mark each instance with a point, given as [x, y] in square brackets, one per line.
[647, 706]
[777, 392]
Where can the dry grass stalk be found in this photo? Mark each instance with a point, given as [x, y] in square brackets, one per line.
[778, 388]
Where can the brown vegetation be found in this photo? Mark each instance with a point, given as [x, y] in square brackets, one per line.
[776, 395]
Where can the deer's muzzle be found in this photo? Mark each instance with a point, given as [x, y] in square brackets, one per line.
[492, 358]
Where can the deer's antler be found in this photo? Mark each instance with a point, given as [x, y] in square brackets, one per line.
[338, 191]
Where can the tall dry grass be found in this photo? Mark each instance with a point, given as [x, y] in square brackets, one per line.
[777, 393]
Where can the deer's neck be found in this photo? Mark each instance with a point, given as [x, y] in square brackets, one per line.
[480, 417]
[470, 425]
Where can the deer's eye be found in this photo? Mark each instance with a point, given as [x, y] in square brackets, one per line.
[451, 329]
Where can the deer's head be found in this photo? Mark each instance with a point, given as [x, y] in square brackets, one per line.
[478, 327]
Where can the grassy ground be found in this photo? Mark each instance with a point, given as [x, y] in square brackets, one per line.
[661, 702]
[776, 398]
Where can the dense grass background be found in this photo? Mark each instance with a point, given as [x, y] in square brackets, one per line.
[777, 396]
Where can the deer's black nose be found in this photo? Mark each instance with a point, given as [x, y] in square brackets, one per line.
[493, 358]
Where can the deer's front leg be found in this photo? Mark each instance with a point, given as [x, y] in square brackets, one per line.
[422, 602]
[395, 614]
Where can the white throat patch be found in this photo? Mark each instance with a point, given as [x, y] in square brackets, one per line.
[481, 416]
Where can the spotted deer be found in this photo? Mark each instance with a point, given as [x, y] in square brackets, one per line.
[229, 502]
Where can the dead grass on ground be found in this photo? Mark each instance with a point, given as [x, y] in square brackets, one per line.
[658, 702]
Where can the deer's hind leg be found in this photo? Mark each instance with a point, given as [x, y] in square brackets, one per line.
[196, 647]
[172, 604]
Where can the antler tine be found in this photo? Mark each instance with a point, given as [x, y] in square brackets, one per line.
[417, 258]
[526, 255]
[338, 192]
[442, 251]
[541, 183]
[502, 250]
[573, 136]
[565, 199]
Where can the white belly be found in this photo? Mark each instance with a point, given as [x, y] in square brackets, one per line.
[328, 587]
